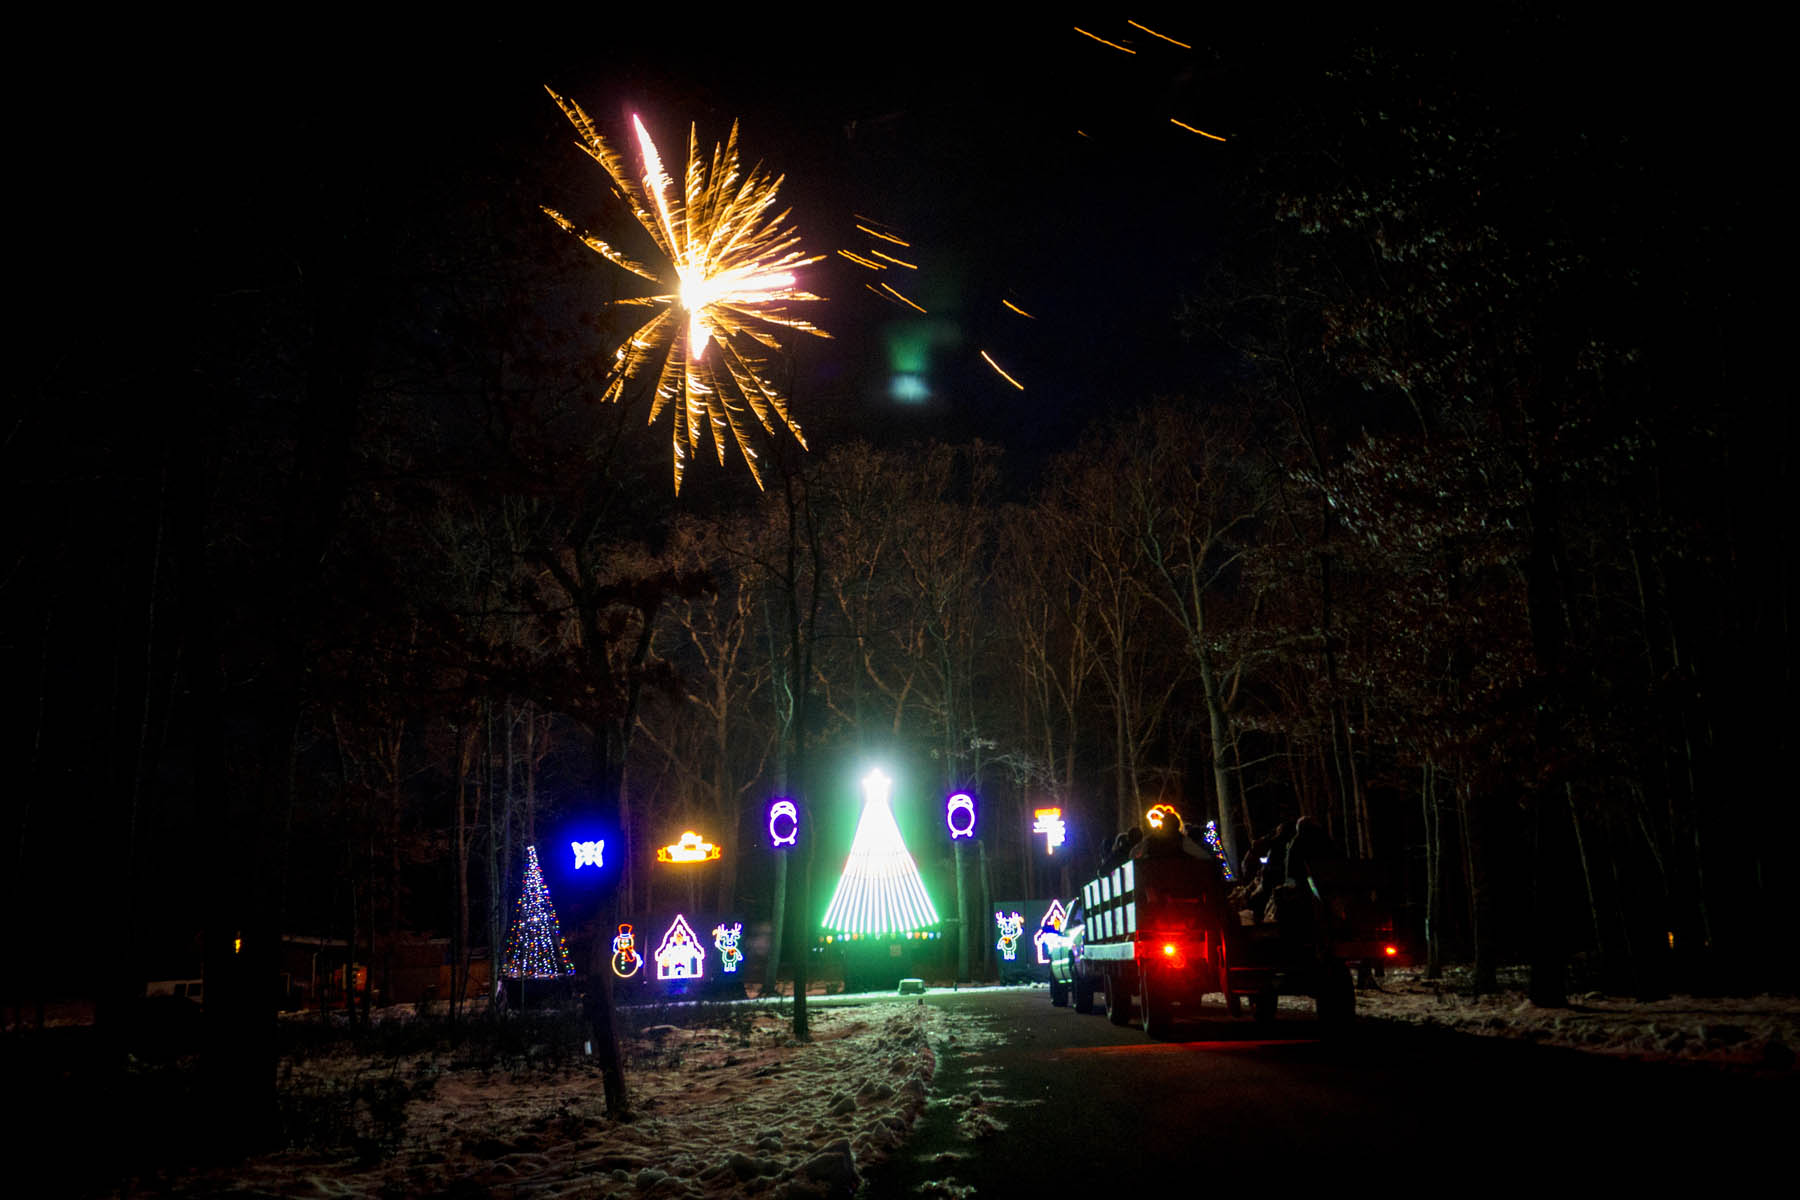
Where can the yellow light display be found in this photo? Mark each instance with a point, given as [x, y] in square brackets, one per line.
[733, 268]
[688, 848]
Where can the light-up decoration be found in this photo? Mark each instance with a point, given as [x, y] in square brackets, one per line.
[1012, 925]
[727, 942]
[535, 947]
[680, 956]
[784, 823]
[959, 815]
[733, 261]
[1211, 834]
[1049, 931]
[1159, 815]
[688, 848]
[625, 958]
[588, 853]
[880, 891]
[1049, 822]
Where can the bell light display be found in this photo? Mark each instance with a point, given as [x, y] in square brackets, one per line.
[1049, 822]
[959, 815]
[680, 956]
[784, 823]
[880, 892]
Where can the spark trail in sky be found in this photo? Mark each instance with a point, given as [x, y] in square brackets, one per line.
[733, 269]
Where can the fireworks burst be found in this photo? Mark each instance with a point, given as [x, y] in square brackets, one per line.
[733, 268]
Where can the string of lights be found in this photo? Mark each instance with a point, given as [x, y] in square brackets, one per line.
[535, 948]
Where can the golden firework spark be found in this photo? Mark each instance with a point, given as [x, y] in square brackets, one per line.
[903, 299]
[1102, 41]
[1165, 37]
[1191, 129]
[733, 269]
[1002, 374]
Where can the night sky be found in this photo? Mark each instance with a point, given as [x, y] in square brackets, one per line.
[1021, 160]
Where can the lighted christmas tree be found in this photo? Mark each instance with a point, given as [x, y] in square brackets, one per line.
[535, 947]
[880, 891]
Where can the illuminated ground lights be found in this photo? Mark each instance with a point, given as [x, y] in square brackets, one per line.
[535, 948]
[733, 270]
[880, 891]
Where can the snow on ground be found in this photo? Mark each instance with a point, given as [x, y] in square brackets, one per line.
[734, 1106]
[1760, 1033]
[738, 1110]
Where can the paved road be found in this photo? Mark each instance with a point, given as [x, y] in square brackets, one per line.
[1091, 1108]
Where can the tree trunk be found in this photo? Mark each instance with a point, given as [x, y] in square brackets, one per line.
[777, 925]
[963, 932]
[1481, 898]
[1215, 711]
[602, 1028]
[1434, 855]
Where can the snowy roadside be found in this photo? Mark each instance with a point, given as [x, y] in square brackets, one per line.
[1760, 1033]
[733, 1109]
[731, 1105]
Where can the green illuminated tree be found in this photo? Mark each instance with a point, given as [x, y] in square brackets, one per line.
[880, 891]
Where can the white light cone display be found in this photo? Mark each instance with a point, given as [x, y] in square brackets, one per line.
[880, 891]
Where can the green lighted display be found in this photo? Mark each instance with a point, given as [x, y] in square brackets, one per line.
[880, 891]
